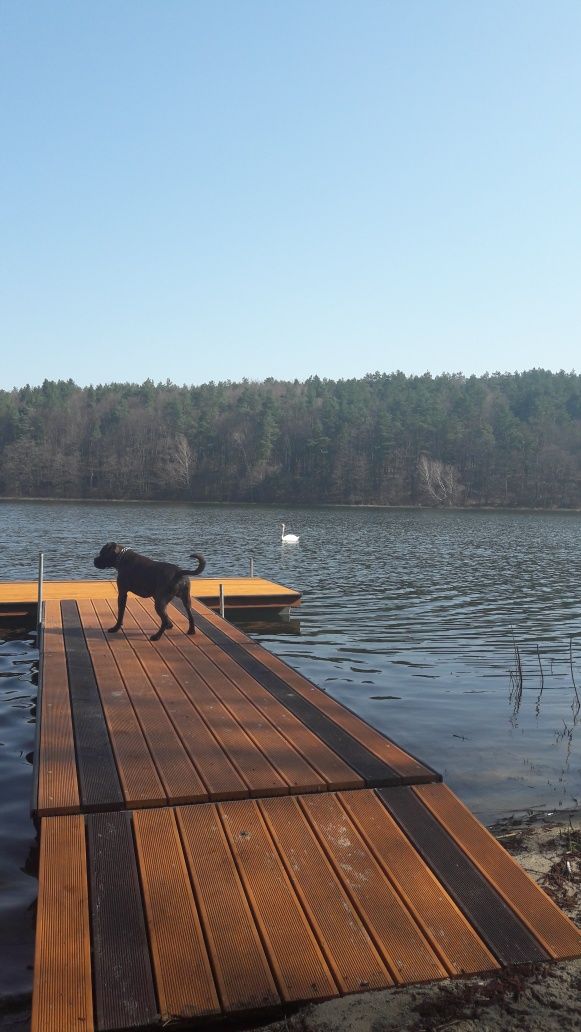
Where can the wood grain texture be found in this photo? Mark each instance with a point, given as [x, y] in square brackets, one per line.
[124, 990]
[536, 910]
[298, 965]
[451, 936]
[57, 786]
[402, 944]
[371, 754]
[348, 948]
[496, 923]
[99, 784]
[253, 766]
[178, 774]
[242, 971]
[238, 591]
[62, 993]
[139, 778]
[183, 974]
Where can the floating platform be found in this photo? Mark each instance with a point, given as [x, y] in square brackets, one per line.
[220, 838]
[238, 908]
[127, 723]
[240, 593]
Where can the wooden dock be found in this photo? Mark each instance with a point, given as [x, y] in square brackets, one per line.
[219, 837]
[240, 593]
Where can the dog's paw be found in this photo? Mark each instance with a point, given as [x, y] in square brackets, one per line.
[191, 630]
[155, 637]
[168, 625]
[112, 630]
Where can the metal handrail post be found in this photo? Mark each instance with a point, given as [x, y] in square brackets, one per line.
[40, 586]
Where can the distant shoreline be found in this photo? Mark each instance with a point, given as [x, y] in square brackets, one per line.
[291, 505]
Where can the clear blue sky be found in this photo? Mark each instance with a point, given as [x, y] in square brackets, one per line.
[211, 190]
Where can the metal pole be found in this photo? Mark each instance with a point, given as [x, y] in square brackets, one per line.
[222, 601]
[252, 566]
[40, 583]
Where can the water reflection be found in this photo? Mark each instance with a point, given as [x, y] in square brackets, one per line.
[274, 625]
[18, 841]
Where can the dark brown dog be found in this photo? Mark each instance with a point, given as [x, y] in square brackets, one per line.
[149, 579]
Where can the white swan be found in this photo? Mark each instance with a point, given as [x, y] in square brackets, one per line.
[289, 538]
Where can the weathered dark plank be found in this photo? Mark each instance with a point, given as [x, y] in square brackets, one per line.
[99, 783]
[411, 770]
[123, 979]
[373, 770]
[495, 922]
[552, 928]
[449, 932]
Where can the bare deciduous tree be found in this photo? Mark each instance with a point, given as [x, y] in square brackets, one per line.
[183, 460]
[439, 480]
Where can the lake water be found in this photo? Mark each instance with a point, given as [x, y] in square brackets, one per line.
[410, 617]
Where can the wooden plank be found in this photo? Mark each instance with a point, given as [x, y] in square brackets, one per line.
[240, 966]
[182, 968]
[392, 765]
[401, 943]
[298, 965]
[333, 771]
[62, 993]
[139, 778]
[370, 767]
[222, 779]
[253, 591]
[552, 928]
[124, 990]
[495, 922]
[178, 775]
[166, 673]
[98, 779]
[57, 785]
[451, 936]
[292, 767]
[258, 774]
[348, 948]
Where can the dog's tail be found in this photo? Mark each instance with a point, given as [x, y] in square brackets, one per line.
[201, 565]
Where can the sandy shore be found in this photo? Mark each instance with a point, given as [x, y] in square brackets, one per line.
[543, 998]
[539, 998]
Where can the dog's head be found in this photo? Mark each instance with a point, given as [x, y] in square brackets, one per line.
[108, 556]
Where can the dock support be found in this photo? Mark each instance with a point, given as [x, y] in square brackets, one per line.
[222, 601]
[251, 566]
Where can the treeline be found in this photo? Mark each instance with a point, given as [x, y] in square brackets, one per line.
[511, 440]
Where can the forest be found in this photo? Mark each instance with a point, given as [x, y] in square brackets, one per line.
[494, 440]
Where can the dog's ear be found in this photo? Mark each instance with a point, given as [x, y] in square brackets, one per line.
[111, 550]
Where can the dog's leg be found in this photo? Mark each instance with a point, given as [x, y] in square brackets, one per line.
[166, 624]
[122, 602]
[185, 596]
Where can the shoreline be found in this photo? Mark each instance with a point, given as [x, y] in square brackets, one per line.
[539, 998]
[290, 505]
